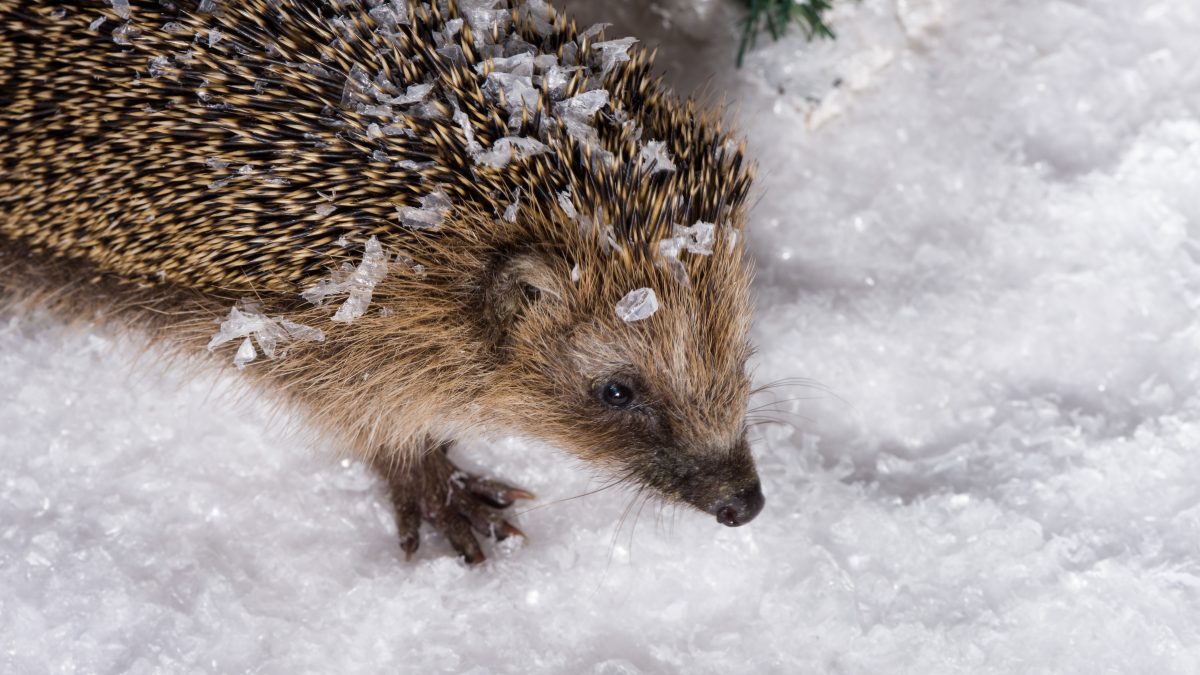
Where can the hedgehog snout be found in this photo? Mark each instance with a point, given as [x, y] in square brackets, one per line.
[726, 486]
[740, 508]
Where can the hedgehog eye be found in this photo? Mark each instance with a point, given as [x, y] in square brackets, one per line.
[616, 394]
[532, 293]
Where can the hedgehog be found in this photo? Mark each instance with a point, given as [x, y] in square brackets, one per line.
[412, 223]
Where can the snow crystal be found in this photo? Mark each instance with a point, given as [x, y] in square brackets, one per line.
[94, 26]
[124, 34]
[383, 111]
[358, 283]
[510, 148]
[312, 69]
[575, 274]
[517, 64]
[246, 320]
[449, 31]
[567, 204]
[613, 52]
[485, 18]
[241, 322]
[541, 15]
[576, 114]
[245, 354]
[390, 14]
[655, 158]
[121, 7]
[515, 91]
[433, 210]
[637, 304]
[698, 238]
[583, 106]
[159, 65]
[592, 31]
[345, 29]
[357, 85]
[301, 332]
[362, 283]
[556, 79]
[207, 7]
[324, 209]
[214, 36]
[416, 93]
[464, 123]
[413, 165]
[510, 211]
[453, 54]
[668, 256]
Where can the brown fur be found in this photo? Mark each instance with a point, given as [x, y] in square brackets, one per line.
[107, 206]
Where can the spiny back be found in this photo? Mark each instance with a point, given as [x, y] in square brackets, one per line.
[229, 145]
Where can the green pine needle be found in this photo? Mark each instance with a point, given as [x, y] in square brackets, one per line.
[775, 15]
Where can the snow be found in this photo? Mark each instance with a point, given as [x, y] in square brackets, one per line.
[577, 112]
[613, 52]
[697, 238]
[511, 211]
[356, 282]
[429, 215]
[416, 93]
[460, 118]
[980, 247]
[121, 7]
[656, 158]
[510, 148]
[270, 332]
[245, 354]
[638, 304]
[567, 203]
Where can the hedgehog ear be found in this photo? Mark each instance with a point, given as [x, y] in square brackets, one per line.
[519, 282]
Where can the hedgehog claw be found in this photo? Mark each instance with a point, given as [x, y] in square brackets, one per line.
[495, 493]
[509, 530]
[408, 525]
[410, 545]
[454, 503]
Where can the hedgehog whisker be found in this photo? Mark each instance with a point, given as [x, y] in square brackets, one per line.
[606, 486]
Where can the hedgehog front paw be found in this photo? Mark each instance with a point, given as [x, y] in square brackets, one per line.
[454, 502]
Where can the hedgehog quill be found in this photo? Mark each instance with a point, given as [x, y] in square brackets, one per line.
[415, 223]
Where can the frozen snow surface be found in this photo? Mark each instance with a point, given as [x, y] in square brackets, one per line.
[977, 238]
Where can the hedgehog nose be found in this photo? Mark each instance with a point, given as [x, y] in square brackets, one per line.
[741, 507]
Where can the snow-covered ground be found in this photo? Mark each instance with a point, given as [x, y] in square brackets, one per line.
[978, 232]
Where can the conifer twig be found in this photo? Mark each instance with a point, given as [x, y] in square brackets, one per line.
[775, 15]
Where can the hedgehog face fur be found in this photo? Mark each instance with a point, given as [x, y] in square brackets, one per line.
[658, 402]
[509, 177]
